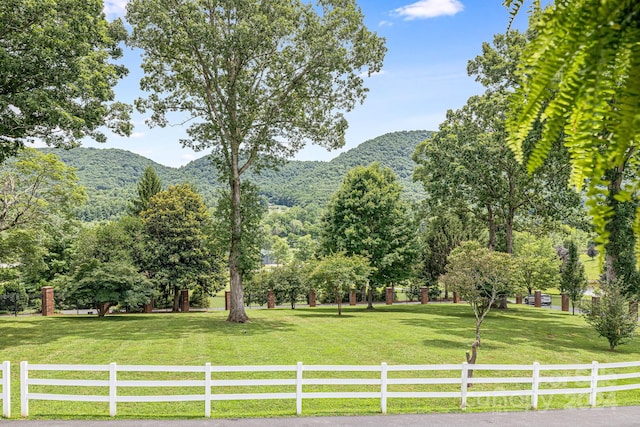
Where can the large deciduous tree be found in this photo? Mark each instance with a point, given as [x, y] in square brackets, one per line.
[256, 80]
[179, 253]
[57, 74]
[35, 188]
[467, 162]
[367, 217]
[582, 75]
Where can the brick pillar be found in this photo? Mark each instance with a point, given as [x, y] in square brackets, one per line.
[352, 297]
[184, 300]
[424, 295]
[148, 307]
[227, 300]
[312, 298]
[271, 300]
[537, 298]
[633, 309]
[456, 297]
[389, 296]
[565, 302]
[47, 301]
[518, 299]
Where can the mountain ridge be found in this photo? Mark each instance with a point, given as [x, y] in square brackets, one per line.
[110, 174]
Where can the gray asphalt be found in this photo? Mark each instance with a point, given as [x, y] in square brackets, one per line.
[594, 417]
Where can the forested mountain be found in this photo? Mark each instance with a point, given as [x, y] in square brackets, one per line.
[110, 175]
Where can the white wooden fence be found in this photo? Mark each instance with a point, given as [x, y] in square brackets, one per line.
[5, 368]
[382, 382]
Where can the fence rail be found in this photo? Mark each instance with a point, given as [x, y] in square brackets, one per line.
[381, 382]
[5, 368]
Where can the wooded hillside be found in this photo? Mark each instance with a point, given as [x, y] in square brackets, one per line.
[110, 175]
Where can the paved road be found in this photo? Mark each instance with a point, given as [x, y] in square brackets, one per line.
[596, 417]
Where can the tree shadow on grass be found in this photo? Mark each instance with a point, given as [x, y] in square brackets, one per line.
[129, 327]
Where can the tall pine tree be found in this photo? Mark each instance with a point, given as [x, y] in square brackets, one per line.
[148, 186]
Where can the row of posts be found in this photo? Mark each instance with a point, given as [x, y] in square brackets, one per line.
[48, 306]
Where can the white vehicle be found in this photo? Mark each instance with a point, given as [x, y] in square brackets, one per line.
[544, 299]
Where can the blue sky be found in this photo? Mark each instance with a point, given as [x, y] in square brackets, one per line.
[429, 43]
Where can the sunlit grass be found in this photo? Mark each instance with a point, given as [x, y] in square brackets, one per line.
[398, 334]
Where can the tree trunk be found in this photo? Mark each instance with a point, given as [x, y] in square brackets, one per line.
[471, 358]
[176, 300]
[102, 308]
[370, 298]
[236, 300]
[491, 222]
[339, 302]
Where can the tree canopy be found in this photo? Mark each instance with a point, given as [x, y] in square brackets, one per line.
[367, 217]
[57, 74]
[581, 76]
[256, 81]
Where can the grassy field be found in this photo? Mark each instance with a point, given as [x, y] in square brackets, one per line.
[398, 334]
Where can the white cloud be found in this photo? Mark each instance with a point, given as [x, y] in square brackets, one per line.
[385, 24]
[114, 8]
[137, 135]
[424, 9]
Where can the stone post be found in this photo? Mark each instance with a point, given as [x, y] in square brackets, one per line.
[271, 300]
[47, 301]
[184, 300]
[424, 295]
[456, 297]
[148, 307]
[227, 300]
[312, 298]
[352, 297]
[537, 298]
[565, 302]
[518, 299]
[389, 296]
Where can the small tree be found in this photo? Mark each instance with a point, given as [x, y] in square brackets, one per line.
[288, 283]
[13, 296]
[610, 316]
[336, 274]
[572, 278]
[536, 263]
[479, 275]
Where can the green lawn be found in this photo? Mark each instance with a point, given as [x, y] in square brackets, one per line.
[398, 334]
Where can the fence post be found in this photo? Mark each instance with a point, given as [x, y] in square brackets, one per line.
[112, 389]
[535, 385]
[24, 389]
[299, 389]
[6, 389]
[383, 387]
[207, 390]
[594, 383]
[464, 382]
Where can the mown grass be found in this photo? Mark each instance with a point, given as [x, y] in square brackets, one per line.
[398, 334]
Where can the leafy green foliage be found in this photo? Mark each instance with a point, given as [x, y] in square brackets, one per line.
[178, 243]
[367, 217]
[581, 75]
[479, 275]
[35, 188]
[536, 263]
[13, 296]
[56, 74]
[337, 274]
[610, 316]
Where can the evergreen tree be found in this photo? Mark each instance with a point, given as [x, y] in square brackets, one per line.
[572, 278]
[148, 186]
